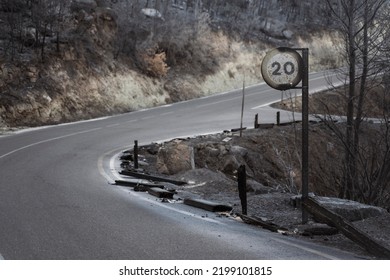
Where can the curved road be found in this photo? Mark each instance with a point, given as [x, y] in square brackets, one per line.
[56, 201]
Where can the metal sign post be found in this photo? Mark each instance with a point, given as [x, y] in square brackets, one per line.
[305, 132]
[282, 69]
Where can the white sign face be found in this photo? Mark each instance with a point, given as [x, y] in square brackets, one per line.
[281, 68]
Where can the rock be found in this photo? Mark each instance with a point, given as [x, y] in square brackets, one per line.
[213, 152]
[319, 229]
[288, 34]
[348, 209]
[238, 150]
[257, 188]
[32, 74]
[222, 150]
[231, 164]
[152, 13]
[174, 158]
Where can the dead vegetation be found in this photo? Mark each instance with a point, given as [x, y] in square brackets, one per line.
[154, 63]
[82, 59]
[372, 160]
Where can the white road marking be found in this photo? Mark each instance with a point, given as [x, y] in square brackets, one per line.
[101, 169]
[166, 113]
[217, 102]
[48, 140]
[114, 175]
[147, 118]
[113, 125]
[30, 129]
[263, 105]
[132, 121]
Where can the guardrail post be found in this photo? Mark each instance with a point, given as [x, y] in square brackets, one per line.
[257, 121]
[242, 188]
[136, 154]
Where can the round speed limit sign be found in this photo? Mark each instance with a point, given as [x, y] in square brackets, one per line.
[282, 68]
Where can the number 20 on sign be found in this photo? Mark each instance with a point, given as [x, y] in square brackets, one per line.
[282, 68]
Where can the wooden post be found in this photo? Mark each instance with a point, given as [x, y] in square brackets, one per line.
[136, 154]
[257, 121]
[242, 106]
[242, 188]
[278, 118]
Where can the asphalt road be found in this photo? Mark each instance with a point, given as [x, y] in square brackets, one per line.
[56, 201]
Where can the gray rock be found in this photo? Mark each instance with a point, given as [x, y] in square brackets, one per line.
[231, 164]
[222, 150]
[350, 210]
[257, 188]
[238, 150]
[213, 152]
[319, 229]
[174, 158]
[288, 34]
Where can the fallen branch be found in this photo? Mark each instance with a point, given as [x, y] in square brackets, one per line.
[151, 177]
[259, 222]
[347, 228]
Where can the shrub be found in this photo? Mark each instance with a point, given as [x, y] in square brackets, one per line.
[153, 62]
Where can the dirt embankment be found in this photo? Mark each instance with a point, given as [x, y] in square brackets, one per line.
[272, 158]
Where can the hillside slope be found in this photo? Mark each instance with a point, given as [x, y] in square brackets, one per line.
[85, 74]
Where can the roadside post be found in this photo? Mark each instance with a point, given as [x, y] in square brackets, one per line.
[135, 154]
[242, 106]
[284, 68]
[256, 121]
[242, 188]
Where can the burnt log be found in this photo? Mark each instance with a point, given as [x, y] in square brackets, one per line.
[347, 228]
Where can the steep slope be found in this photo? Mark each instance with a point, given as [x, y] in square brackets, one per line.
[85, 74]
